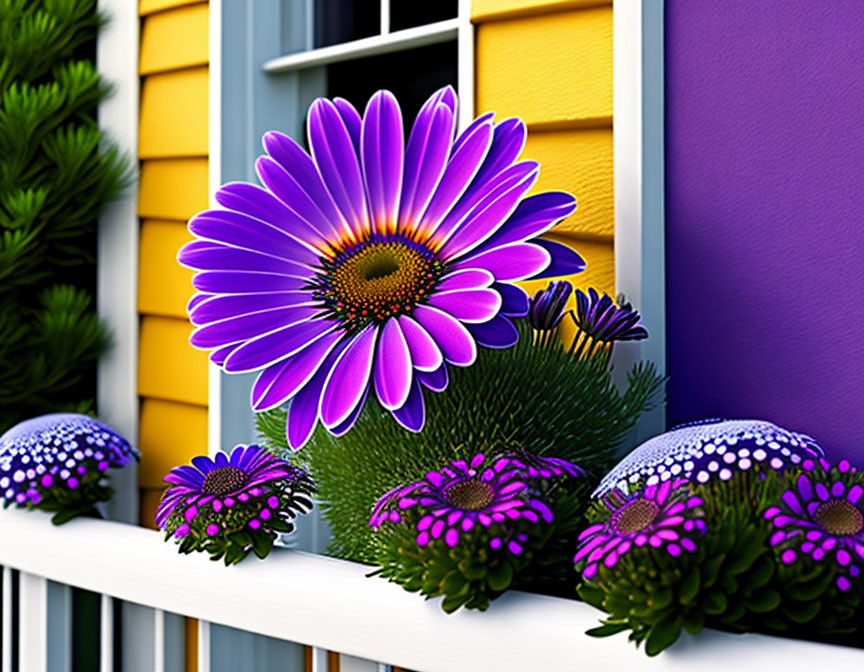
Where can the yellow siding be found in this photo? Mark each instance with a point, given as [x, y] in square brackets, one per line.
[172, 188]
[174, 114]
[172, 40]
[550, 63]
[173, 143]
[164, 286]
[150, 6]
[488, 10]
[171, 434]
[553, 70]
[168, 367]
[579, 162]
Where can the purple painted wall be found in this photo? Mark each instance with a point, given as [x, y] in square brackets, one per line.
[765, 214]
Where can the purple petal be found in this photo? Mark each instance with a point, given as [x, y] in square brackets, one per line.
[854, 493]
[344, 426]
[434, 380]
[382, 153]
[259, 203]
[392, 366]
[472, 278]
[534, 215]
[452, 537]
[510, 263]
[412, 414]
[282, 381]
[492, 211]
[507, 144]
[425, 354]
[203, 255]
[514, 300]
[290, 190]
[245, 327]
[497, 333]
[312, 201]
[425, 160]
[352, 120]
[349, 378]
[456, 343]
[792, 502]
[564, 261]
[219, 307]
[275, 346]
[337, 162]
[243, 282]
[472, 305]
[464, 162]
[244, 232]
[303, 411]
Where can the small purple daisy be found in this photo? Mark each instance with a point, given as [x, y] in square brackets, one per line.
[464, 495]
[601, 322]
[53, 455]
[251, 491]
[661, 516]
[822, 516]
[548, 306]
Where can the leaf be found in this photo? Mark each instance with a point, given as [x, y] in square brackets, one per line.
[608, 629]
[689, 587]
[714, 603]
[663, 635]
[763, 601]
[500, 576]
[262, 544]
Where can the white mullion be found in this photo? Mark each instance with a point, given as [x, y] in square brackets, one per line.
[106, 634]
[33, 623]
[410, 38]
[6, 641]
[385, 17]
[465, 64]
[203, 646]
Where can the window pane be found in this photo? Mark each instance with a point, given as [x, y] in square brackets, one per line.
[411, 75]
[338, 21]
[410, 13]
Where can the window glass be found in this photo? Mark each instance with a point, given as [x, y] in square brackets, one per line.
[412, 75]
[338, 21]
[410, 13]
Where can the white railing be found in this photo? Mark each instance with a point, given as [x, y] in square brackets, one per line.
[331, 604]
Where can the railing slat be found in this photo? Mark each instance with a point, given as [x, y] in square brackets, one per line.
[7, 643]
[353, 664]
[33, 623]
[58, 627]
[106, 634]
[138, 639]
[203, 646]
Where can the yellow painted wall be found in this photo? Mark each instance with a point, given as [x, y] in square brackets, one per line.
[172, 376]
[550, 63]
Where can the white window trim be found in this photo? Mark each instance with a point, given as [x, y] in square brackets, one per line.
[638, 118]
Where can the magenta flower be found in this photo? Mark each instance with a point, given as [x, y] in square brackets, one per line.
[464, 495]
[661, 516]
[372, 264]
[822, 517]
[222, 483]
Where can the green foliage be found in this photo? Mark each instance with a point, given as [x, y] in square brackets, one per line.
[536, 398]
[733, 581]
[472, 574]
[56, 171]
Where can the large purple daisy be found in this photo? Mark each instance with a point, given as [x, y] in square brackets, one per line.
[661, 516]
[463, 495]
[372, 263]
[822, 516]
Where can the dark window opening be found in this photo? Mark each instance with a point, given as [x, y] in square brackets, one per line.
[338, 21]
[411, 13]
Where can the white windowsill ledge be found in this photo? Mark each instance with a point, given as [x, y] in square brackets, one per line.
[331, 604]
